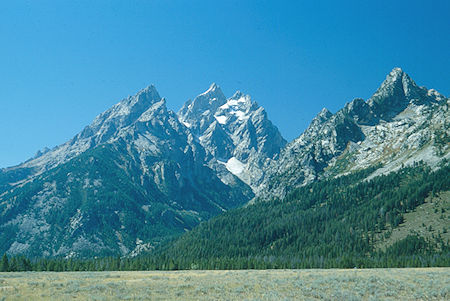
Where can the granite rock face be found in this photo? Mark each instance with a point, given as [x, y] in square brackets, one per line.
[236, 134]
[129, 180]
[400, 124]
[140, 173]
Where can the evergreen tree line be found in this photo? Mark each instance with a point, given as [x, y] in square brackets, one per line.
[148, 263]
[333, 223]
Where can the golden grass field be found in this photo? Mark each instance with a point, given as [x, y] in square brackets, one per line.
[332, 284]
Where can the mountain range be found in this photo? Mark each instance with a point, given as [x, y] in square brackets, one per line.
[140, 175]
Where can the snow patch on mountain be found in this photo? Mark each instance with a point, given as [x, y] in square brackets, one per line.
[138, 151]
[235, 102]
[186, 124]
[234, 130]
[221, 119]
[234, 166]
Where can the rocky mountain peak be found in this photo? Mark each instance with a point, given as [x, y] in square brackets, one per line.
[394, 95]
[396, 92]
[139, 155]
[398, 76]
[105, 127]
[234, 132]
[198, 113]
[148, 94]
[324, 114]
[396, 79]
[395, 127]
[395, 73]
[238, 94]
[130, 108]
[235, 110]
[41, 152]
[213, 87]
[208, 100]
[139, 173]
[121, 115]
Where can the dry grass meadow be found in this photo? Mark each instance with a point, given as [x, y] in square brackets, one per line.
[333, 284]
[430, 218]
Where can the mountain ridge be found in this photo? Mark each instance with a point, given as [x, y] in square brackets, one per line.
[251, 138]
[175, 170]
[138, 145]
[400, 116]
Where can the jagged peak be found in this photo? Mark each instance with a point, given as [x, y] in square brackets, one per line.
[238, 94]
[209, 100]
[396, 70]
[433, 93]
[397, 76]
[150, 87]
[41, 152]
[212, 96]
[354, 104]
[214, 86]
[323, 116]
[148, 93]
[212, 89]
[132, 105]
[324, 113]
[395, 91]
[393, 77]
[242, 98]
[238, 102]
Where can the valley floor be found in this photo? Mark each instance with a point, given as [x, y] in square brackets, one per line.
[333, 284]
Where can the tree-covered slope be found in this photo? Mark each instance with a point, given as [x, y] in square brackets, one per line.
[328, 223]
[133, 177]
[140, 174]
[99, 203]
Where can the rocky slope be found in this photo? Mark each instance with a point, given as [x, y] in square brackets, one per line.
[236, 134]
[139, 173]
[133, 177]
[367, 157]
[400, 124]
[104, 128]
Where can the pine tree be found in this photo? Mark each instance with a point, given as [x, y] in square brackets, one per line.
[4, 264]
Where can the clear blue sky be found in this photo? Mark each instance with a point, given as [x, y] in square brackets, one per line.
[64, 62]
